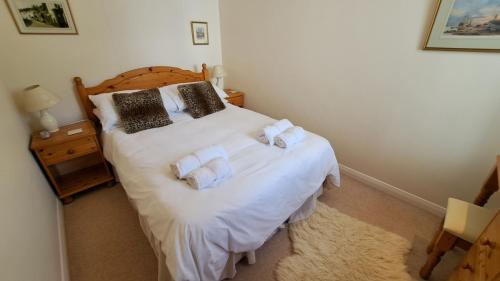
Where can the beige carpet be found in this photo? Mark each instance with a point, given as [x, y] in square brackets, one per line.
[105, 242]
[332, 246]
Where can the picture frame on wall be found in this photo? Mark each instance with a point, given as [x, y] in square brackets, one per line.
[199, 31]
[42, 16]
[465, 25]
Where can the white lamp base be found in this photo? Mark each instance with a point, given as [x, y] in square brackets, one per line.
[48, 121]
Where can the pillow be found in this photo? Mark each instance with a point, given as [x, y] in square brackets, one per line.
[201, 99]
[141, 110]
[109, 117]
[220, 92]
[173, 92]
[97, 113]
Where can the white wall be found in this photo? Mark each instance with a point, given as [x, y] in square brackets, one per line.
[114, 36]
[352, 71]
[29, 236]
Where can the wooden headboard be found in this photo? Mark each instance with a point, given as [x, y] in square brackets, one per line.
[141, 78]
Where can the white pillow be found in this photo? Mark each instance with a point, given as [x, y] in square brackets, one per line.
[220, 92]
[173, 93]
[108, 114]
[97, 113]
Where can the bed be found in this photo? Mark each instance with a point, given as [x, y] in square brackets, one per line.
[201, 235]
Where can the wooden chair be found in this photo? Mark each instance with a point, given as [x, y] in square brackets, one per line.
[462, 224]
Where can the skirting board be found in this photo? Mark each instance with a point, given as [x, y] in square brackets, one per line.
[63, 257]
[394, 191]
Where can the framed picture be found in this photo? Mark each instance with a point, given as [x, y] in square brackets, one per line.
[42, 16]
[199, 30]
[465, 25]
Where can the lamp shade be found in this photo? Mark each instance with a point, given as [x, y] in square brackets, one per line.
[37, 98]
[219, 71]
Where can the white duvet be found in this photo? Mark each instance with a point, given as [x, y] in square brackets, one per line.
[198, 229]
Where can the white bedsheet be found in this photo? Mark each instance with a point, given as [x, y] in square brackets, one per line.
[198, 229]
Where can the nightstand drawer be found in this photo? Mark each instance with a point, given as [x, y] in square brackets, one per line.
[235, 97]
[482, 259]
[237, 100]
[66, 151]
[489, 256]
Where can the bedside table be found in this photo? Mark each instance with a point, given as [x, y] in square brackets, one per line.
[235, 97]
[62, 158]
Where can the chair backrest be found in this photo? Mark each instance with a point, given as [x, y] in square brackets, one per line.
[490, 186]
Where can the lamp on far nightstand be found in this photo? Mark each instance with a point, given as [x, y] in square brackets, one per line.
[36, 99]
[219, 72]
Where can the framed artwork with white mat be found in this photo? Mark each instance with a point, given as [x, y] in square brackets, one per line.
[465, 25]
[42, 16]
[199, 31]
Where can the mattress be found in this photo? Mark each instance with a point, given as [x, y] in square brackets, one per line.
[199, 229]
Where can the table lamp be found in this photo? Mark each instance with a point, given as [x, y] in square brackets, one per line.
[36, 99]
[218, 73]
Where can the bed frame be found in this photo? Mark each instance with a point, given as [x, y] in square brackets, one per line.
[140, 78]
[146, 78]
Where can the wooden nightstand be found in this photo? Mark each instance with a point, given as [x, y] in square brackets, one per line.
[72, 163]
[235, 97]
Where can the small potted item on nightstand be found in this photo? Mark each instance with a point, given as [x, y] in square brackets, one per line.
[72, 159]
[235, 97]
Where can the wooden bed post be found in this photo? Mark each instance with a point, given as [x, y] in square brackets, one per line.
[82, 92]
[204, 70]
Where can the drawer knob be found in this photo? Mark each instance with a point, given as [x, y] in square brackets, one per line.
[71, 151]
[485, 241]
[468, 266]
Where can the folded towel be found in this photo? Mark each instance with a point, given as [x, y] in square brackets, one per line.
[270, 132]
[221, 169]
[185, 165]
[193, 161]
[201, 178]
[290, 137]
[209, 153]
[283, 125]
[262, 138]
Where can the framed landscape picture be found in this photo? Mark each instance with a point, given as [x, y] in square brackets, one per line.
[42, 16]
[465, 25]
[199, 31]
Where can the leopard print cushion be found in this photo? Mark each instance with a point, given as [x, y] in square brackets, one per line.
[141, 110]
[201, 99]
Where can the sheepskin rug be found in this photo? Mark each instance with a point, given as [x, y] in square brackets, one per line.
[335, 247]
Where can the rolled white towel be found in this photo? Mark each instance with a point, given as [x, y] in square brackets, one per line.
[221, 169]
[185, 165]
[283, 125]
[290, 137]
[209, 153]
[270, 132]
[262, 138]
[201, 178]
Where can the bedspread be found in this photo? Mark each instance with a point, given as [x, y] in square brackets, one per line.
[198, 229]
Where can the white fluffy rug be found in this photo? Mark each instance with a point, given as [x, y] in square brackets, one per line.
[335, 247]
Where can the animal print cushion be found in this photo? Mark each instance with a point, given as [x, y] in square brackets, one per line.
[141, 110]
[201, 99]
